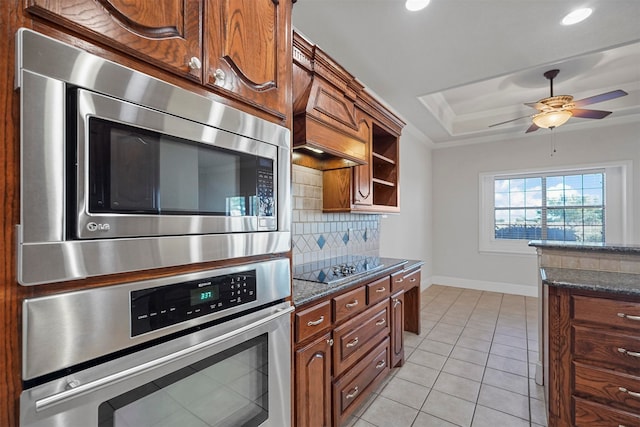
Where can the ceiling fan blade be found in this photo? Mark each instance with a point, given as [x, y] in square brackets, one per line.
[600, 98]
[531, 104]
[589, 114]
[509, 121]
[532, 128]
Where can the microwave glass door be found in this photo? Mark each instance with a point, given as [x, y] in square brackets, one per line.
[137, 171]
[226, 389]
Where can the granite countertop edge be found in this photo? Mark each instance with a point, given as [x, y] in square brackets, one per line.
[619, 248]
[306, 291]
[601, 281]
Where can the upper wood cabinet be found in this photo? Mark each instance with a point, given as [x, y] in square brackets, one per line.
[248, 51]
[240, 49]
[358, 135]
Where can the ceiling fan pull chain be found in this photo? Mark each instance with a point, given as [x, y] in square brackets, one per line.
[553, 141]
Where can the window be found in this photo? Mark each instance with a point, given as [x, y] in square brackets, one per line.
[588, 204]
[550, 207]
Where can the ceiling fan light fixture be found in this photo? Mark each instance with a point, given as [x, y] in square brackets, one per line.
[551, 119]
[415, 5]
[576, 16]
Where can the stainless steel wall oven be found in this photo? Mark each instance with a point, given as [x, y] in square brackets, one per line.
[201, 349]
[121, 171]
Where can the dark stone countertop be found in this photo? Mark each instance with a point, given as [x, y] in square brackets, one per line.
[588, 247]
[305, 291]
[602, 281]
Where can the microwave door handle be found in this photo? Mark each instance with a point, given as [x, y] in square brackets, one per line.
[100, 383]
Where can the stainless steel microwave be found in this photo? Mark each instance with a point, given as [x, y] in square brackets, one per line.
[121, 171]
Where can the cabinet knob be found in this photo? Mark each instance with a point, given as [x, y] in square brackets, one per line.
[220, 76]
[194, 63]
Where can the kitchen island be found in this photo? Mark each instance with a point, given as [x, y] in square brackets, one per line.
[348, 334]
[590, 332]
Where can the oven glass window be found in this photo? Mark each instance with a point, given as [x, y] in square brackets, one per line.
[137, 171]
[227, 389]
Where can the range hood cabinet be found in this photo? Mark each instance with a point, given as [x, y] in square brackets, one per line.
[329, 132]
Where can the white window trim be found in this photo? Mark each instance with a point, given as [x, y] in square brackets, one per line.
[618, 205]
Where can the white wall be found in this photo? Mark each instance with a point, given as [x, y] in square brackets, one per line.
[409, 234]
[455, 257]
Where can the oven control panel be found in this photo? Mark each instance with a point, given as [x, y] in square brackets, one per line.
[159, 307]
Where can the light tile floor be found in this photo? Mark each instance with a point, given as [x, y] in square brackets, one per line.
[472, 366]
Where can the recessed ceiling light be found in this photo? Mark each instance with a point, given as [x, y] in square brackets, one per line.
[576, 16]
[414, 5]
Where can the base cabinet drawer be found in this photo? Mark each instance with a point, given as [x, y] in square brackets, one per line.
[610, 312]
[591, 414]
[359, 335]
[350, 303]
[312, 321]
[350, 390]
[604, 384]
[606, 346]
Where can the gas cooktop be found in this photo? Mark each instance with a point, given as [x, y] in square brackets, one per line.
[334, 270]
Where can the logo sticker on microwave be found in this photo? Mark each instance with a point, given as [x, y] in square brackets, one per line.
[92, 226]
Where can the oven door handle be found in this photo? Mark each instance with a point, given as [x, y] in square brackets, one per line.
[89, 387]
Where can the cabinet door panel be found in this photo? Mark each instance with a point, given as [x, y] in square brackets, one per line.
[247, 53]
[313, 384]
[166, 33]
[397, 329]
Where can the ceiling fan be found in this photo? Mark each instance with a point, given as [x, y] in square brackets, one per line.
[556, 110]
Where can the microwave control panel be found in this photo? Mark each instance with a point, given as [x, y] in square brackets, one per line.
[159, 307]
[265, 187]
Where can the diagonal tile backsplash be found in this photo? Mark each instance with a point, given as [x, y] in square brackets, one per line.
[317, 235]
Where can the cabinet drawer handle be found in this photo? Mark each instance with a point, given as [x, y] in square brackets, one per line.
[381, 322]
[396, 301]
[352, 304]
[353, 343]
[628, 316]
[381, 364]
[628, 353]
[400, 280]
[630, 393]
[353, 393]
[413, 279]
[315, 322]
[380, 290]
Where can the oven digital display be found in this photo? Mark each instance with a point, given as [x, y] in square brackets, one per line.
[162, 306]
[207, 294]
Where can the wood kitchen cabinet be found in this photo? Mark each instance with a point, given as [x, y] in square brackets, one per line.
[313, 383]
[594, 359]
[239, 49]
[397, 329]
[348, 341]
[357, 135]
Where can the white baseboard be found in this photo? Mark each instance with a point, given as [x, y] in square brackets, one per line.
[481, 285]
